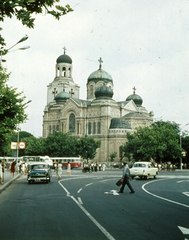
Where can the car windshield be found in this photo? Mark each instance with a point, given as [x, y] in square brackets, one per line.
[139, 165]
[36, 167]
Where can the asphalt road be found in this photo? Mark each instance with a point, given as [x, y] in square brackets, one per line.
[87, 207]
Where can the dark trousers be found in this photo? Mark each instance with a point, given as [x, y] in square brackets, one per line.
[126, 181]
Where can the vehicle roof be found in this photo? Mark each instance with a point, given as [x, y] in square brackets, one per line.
[144, 162]
[38, 163]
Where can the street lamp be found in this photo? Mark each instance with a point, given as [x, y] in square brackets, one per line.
[8, 50]
[181, 144]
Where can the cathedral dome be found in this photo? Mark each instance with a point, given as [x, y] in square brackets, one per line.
[64, 59]
[136, 98]
[100, 75]
[104, 92]
[62, 97]
[119, 123]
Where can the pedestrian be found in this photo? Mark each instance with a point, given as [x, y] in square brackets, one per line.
[59, 170]
[23, 168]
[17, 167]
[13, 169]
[69, 169]
[1, 172]
[103, 167]
[126, 179]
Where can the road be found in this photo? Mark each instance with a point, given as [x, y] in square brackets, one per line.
[87, 207]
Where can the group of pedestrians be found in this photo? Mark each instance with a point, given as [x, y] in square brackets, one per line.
[58, 169]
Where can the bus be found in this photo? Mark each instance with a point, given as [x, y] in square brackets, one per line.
[75, 162]
[35, 159]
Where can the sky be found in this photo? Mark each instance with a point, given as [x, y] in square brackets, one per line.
[142, 43]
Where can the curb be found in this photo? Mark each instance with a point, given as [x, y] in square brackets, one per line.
[4, 186]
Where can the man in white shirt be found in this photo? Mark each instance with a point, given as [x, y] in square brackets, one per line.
[126, 179]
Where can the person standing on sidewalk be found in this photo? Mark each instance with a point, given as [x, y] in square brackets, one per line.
[13, 169]
[1, 172]
[59, 170]
[126, 179]
[69, 169]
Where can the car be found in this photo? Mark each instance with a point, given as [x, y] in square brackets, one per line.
[143, 170]
[39, 172]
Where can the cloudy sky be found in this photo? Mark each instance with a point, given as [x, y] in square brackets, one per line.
[142, 43]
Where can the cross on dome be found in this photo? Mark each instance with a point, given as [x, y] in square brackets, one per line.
[100, 61]
[64, 49]
[134, 89]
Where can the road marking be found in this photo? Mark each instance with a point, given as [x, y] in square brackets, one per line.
[102, 229]
[88, 184]
[165, 199]
[114, 192]
[182, 181]
[184, 230]
[79, 190]
[79, 200]
[186, 193]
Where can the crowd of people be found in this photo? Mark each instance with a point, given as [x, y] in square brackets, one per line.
[94, 166]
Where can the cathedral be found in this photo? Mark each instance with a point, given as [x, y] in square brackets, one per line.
[99, 116]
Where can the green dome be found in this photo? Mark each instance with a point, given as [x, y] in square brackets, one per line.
[136, 98]
[64, 59]
[104, 92]
[119, 123]
[100, 75]
[62, 97]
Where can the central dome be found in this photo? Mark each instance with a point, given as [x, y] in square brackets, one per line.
[100, 75]
[104, 92]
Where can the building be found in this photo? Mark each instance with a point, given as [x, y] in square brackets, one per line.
[100, 116]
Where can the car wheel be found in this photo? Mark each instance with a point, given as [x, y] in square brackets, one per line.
[154, 176]
[29, 182]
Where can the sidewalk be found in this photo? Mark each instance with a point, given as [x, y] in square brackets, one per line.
[8, 180]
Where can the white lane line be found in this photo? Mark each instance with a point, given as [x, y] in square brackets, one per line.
[102, 229]
[79, 190]
[186, 193]
[165, 199]
[79, 200]
[88, 184]
[182, 181]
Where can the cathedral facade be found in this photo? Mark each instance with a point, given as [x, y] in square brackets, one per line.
[99, 116]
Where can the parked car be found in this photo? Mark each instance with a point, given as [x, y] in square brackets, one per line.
[39, 172]
[143, 170]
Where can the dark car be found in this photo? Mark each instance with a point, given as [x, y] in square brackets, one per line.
[39, 172]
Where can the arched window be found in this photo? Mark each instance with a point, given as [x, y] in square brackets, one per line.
[64, 72]
[91, 91]
[99, 127]
[89, 128]
[49, 129]
[94, 128]
[72, 123]
[69, 72]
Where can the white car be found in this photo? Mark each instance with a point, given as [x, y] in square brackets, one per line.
[143, 170]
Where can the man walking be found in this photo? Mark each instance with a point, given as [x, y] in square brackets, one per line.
[126, 179]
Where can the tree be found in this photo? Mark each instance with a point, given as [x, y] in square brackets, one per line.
[12, 110]
[23, 10]
[88, 147]
[61, 145]
[112, 156]
[160, 142]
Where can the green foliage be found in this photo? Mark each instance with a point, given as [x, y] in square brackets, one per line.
[88, 147]
[12, 109]
[61, 145]
[24, 11]
[112, 156]
[159, 142]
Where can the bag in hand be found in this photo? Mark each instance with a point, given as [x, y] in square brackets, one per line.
[119, 182]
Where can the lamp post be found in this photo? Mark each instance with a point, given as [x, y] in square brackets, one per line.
[181, 144]
[17, 152]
